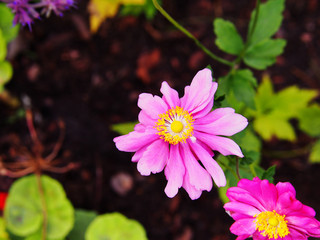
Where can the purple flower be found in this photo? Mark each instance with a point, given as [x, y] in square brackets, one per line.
[23, 12]
[57, 6]
[175, 133]
[265, 211]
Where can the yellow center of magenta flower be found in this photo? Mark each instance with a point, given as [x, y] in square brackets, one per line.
[271, 224]
[175, 125]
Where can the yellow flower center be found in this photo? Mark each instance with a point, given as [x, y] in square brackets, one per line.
[271, 224]
[175, 125]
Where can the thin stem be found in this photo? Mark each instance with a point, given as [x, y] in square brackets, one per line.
[230, 169]
[237, 168]
[44, 207]
[188, 34]
[253, 171]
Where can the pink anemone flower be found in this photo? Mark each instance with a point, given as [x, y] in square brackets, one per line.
[175, 133]
[265, 211]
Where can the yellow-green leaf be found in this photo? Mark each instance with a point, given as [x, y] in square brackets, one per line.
[315, 153]
[100, 10]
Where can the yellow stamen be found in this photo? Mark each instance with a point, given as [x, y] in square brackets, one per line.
[175, 125]
[271, 224]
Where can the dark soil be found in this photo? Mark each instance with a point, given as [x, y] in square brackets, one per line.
[92, 82]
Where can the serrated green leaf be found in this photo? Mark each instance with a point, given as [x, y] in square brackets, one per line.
[123, 128]
[264, 54]
[23, 210]
[83, 219]
[115, 226]
[5, 73]
[228, 38]
[3, 47]
[6, 18]
[309, 120]
[269, 174]
[315, 153]
[274, 110]
[241, 84]
[269, 20]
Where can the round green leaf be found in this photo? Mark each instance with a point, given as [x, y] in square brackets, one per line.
[24, 214]
[5, 73]
[6, 18]
[115, 226]
[83, 219]
[3, 234]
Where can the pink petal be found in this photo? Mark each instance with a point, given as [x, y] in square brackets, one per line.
[193, 192]
[227, 125]
[269, 194]
[241, 208]
[152, 105]
[199, 177]
[215, 115]
[304, 224]
[244, 226]
[174, 171]
[283, 187]
[154, 158]
[145, 119]
[223, 145]
[170, 96]
[243, 196]
[210, 164]
[139, 127]
[138, 154]
[242, 237]
[200, 93]
[135, 140]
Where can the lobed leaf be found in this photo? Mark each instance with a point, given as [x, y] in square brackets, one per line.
[315, 153]
[3, 46]
[269, 20]
[6, 72]
[228, 38]
[309, 120]
[264, 54]
[123, 128]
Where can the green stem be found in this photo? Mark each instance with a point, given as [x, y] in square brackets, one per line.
[44, 207]
[249, 36]
[230, 169]
[253, 171]
[188, 34]
[237, 168]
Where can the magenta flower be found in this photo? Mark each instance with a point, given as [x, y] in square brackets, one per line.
[175, 133]
[264, 211]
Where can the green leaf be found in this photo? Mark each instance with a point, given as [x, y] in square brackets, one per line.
[5, 73]
[228, 39]
[274, 110]
[147, 9]
[23, 210]
[6, 18]
[241, 83]
[269, 20]
[315, 153]
[83, 219]
[115, 226]
[269, 173]
[309, 120]
[3, 47]
[123, 128]
[264, 54]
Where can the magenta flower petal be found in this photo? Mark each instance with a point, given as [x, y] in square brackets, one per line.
[193, 192]
[244, 226]
[174, 171]
[199, 177]
[148, 163]
[281, 217]
[135, 140]
[210, 164]
[152, 105]
[226, 125]
[225, 146]
[170, 96]
[179, 135]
